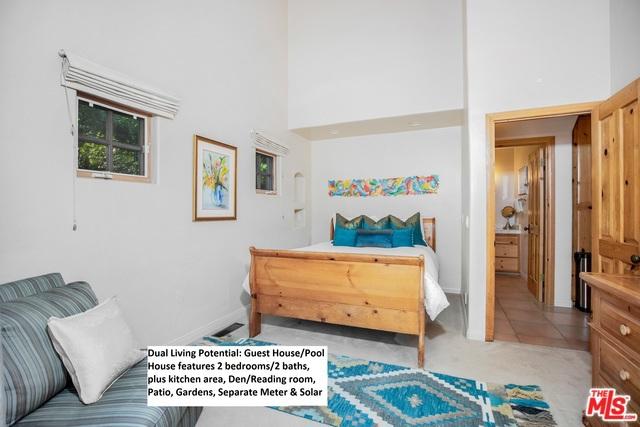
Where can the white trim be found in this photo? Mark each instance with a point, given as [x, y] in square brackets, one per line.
[262, 142]
[456, 291]
[277, 164]
[239, 315]
[83, 75]
[475, 334]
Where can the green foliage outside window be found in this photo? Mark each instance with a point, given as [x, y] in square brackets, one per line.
[265, 171]
[110, 141]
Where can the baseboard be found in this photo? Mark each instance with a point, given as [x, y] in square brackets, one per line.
[239, 315]
[452, 291]
[565, 304]
[475, 334]
[465, 320]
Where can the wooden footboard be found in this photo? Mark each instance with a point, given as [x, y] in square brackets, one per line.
[375, 292]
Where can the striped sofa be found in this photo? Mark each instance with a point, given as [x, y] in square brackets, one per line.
[36, 389]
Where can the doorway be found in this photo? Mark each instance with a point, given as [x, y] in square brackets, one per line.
[527, 299]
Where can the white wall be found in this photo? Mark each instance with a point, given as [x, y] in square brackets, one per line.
[522, 55]
[505, 178]
[227, 62]
[625, 42]
[364, 59]
[391, 155]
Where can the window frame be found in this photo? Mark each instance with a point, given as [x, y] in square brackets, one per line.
[273, 192]
[146, 147]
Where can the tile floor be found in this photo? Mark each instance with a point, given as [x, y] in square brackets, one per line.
[520, 318]
[563, 374]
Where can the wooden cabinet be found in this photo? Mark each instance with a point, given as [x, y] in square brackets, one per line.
[615, 335]
[507, 253]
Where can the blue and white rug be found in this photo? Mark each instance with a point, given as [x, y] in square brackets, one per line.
[363, 393]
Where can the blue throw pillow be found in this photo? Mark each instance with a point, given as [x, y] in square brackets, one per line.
[374, 238]
[413, 222]
[344, 236]
[402, 237]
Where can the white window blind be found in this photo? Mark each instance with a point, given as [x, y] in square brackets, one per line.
[267, 144]
[86, 76]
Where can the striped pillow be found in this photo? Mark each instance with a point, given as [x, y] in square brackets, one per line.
[32, 370]
[30, 286]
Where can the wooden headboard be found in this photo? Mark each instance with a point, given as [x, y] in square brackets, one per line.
[428, 229]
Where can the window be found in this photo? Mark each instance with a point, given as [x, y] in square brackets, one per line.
[111, 141]
[265, 172]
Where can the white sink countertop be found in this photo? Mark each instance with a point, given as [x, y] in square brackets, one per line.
[514, 231]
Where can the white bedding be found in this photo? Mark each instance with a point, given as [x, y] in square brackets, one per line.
[435, 299]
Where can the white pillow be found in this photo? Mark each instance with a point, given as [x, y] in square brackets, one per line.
[96, 347]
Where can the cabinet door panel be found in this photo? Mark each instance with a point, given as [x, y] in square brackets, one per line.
[630, 184]
[609, 165]
[616, 161]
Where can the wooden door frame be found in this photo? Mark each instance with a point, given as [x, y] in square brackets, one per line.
[491, 120]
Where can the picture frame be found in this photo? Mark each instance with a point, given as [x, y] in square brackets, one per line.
[215, 176]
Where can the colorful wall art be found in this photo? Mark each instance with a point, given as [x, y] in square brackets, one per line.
[369, 187]
[214, 180]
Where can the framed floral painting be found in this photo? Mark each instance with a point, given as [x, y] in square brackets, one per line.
[214, 180]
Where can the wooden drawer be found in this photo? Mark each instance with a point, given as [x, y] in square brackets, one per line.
[507, 264]
[619, 322]
[617, 370]
[506, 239]
[507, 251]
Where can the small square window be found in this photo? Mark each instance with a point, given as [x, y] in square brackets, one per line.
[111, 140]
[265, 172]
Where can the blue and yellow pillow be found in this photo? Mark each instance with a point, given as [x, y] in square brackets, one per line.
[388, 232]
[370, 224]
[351, 224]
[412, 222]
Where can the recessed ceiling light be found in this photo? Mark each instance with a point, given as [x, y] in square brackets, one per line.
[415, 124]
[334, 132]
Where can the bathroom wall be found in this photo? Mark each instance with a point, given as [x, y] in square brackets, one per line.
[506, 183]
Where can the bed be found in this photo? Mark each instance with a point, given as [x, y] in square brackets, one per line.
[375, 288]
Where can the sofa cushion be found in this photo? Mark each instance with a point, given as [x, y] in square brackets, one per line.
[32, 370]
[30, 286]
[123, 404]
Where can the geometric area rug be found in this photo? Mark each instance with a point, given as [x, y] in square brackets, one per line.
[364, 393]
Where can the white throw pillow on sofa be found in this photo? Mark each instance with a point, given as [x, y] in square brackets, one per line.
[96, 347]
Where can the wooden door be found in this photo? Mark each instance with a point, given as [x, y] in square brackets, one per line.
[616, 181]
[581, 191]
[535, 263]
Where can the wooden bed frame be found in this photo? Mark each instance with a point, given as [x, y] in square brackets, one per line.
[382, 292]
